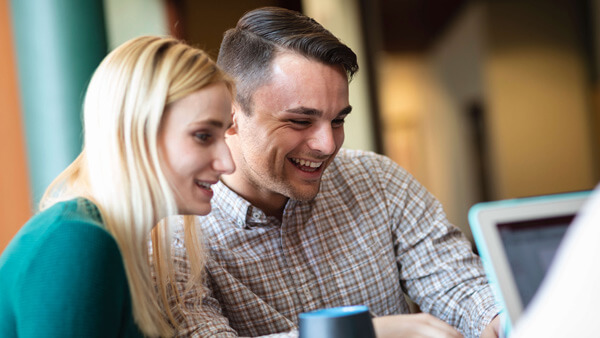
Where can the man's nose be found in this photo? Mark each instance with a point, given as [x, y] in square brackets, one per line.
[323, 140]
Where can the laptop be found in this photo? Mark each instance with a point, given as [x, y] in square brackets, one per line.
[517, 240]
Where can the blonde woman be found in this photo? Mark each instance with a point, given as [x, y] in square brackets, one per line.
[155, 115]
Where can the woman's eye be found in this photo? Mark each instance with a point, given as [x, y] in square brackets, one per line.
[202, 137]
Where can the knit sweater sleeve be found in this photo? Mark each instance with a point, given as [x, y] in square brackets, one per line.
[75, 286]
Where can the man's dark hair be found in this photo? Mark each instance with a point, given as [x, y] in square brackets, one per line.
[248, 49]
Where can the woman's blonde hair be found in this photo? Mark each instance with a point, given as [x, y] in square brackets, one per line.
[119, 168]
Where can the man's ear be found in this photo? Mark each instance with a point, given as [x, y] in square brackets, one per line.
[235, 112]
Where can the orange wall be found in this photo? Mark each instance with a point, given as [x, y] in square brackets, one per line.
[14, 186]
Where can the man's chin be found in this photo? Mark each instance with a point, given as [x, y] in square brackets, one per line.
[304, 195]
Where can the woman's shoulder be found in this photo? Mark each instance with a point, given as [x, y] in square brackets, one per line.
[74, 218]
[64, 242]
[69, 231]
[78, 210]
[64, 258]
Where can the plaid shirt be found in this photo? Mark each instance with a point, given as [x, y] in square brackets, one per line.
[371, 234]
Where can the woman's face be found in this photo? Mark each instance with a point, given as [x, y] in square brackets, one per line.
[191, 141]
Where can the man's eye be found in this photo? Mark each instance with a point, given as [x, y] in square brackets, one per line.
[338, 122]
[300, 122]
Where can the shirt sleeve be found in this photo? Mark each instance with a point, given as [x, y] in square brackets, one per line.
[439, 270]
[200, 314]
[196, 315]
[75, 286]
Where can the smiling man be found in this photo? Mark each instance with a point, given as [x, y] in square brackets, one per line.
[291, 132]
[303, 224]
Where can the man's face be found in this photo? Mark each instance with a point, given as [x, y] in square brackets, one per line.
[295, 130]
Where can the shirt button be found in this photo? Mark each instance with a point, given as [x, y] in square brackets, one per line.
[307, 294]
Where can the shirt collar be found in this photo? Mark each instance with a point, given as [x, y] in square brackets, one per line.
[235, 207]
[246, 216]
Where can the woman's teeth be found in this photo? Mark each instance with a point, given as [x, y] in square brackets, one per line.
[203, 184]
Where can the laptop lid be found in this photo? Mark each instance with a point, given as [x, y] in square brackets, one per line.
[517, 240]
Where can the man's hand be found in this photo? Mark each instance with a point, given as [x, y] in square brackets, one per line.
[493, 329]
[413, 325]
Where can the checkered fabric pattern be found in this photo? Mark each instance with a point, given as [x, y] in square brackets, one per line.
[372, 234]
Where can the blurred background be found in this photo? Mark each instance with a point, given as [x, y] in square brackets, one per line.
[479, 100]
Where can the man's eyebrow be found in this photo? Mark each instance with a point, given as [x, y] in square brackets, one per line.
[305, 111]
[345, 111]
[316, 112]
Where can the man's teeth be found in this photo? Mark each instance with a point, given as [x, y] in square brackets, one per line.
[307, 163]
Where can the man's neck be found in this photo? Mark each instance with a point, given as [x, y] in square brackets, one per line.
[269, 210]
[271, 204]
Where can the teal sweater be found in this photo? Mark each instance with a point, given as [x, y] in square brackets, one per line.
[63, 276]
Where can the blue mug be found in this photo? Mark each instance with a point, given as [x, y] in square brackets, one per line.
[338, 322]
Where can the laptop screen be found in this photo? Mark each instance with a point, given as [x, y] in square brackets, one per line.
[530, 247]
[517, 240]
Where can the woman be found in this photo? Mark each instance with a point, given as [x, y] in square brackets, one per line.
[155, 115]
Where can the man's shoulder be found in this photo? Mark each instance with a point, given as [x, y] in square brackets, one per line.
[362, 168]
[356, 160]
[358, 170]
[345, 156]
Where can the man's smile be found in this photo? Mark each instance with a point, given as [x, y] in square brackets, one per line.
[306, 165]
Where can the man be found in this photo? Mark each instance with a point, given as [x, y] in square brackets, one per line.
[302, 224]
